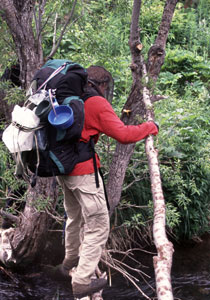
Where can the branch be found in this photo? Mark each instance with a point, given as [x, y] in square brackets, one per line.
[128, 205]
[38, 25]
[55, 47]
[134, 33]
[117, 265]
[156, 98]
[134, 41]
[55, 30]
[156, 54]
[57, 218]
[10, 275]
[9, 216]
[165, 23]
[38, 21]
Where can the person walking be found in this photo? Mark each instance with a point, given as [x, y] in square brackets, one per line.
[87, 225]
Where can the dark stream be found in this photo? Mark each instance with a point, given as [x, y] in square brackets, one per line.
[190, 279]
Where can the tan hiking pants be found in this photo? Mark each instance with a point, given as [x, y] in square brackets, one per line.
[87, 214]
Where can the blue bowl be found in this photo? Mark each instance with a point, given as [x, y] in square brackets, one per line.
[62, 117]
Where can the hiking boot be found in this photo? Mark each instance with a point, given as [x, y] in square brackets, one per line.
[62, 271]
[69, 264]
[82, 290]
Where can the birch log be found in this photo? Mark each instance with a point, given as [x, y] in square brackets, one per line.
[163, 261]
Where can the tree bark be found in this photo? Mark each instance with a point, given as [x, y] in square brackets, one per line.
[30, 235]
[139, 103]
[27, 239]
[18, 15]
[134, 103]
[135, 107]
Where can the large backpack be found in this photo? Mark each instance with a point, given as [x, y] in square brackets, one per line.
[57, 151]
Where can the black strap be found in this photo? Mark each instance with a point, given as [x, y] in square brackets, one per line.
[105, 192]
[98, 170]
[53, 74]
[92, 144]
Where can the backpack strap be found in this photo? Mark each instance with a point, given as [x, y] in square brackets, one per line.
[58, 70]
[105, 192]
[92, 145]
[69, 99]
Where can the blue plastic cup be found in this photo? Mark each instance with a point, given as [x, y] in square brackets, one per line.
[61, 117]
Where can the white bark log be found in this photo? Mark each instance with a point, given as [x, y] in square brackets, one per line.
[163, 261]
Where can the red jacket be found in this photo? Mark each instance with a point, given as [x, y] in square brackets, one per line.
[101, 118]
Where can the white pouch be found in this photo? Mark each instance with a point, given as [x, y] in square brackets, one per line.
[25, 117]
[17, 140]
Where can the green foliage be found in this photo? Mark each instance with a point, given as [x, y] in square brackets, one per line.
[183, 144]
[190, 29]
[136, 221]
[184, 160]
[7, 179]
[183, 71]
[172, 215]
[8, 182]
[14, 95]
[7, 50]
[42, 203]
[149, 22]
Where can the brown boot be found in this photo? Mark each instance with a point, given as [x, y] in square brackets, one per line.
[82, 290]
[62, 271]
[69, 264]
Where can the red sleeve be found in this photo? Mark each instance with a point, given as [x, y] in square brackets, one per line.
[102, 117]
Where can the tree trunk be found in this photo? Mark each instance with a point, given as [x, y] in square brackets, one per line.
[27, 239]
[18, 16]
[135, 107]
[135, 103]
[139, 103]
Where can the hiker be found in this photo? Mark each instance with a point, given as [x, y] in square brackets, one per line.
[84, 200]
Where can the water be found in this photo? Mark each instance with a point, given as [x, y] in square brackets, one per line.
[190, 280]
[38, 286]
[61, 118]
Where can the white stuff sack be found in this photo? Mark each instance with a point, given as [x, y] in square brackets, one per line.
[25, 117]
[19, 139]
